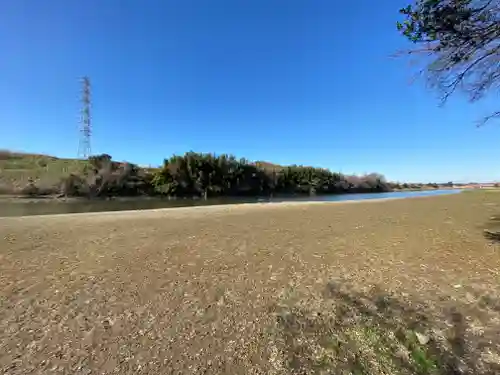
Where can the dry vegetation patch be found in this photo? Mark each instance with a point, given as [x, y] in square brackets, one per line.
[347, 331]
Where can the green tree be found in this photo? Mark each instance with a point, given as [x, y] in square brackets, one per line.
[460, 40]
[206, 175]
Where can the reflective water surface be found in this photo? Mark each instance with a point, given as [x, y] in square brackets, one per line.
[26, 207]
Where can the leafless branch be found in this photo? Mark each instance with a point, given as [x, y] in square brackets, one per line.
[488, 118]
[463, 55]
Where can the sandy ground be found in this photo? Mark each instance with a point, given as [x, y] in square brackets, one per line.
[198, 290]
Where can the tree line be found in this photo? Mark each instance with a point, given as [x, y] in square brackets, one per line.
[209, 175]
[199, 175]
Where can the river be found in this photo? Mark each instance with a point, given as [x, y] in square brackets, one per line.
[28, 207]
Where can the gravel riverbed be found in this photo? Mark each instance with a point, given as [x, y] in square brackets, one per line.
[209, 290]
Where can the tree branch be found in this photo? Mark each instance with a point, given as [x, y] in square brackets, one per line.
[488, 118]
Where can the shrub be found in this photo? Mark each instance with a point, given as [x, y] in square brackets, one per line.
[30, 189]
[74, 186]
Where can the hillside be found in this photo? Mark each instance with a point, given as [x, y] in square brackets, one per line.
[18, 169]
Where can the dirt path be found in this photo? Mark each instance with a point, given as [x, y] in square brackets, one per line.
[201, 290]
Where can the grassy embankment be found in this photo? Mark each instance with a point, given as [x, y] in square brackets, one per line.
[17, 170]
[395, 287]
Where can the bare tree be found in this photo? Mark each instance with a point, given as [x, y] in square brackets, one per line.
[460, 43]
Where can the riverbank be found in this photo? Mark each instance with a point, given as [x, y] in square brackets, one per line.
[179, 212]
[197, 210]
[59, 198]
[62, 198]
[271, 288]
[48, 207]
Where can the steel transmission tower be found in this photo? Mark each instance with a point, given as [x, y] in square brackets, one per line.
[84, 149]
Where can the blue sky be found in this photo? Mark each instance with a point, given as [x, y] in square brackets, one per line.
[287, 81]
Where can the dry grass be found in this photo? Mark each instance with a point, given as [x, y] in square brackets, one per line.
[396, 287]
[17, 169]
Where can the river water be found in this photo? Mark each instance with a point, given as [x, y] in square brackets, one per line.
[28, 207]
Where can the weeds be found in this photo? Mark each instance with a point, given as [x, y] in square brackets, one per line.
[348, 332]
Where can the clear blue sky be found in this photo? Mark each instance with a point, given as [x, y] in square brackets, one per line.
[289, 81]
